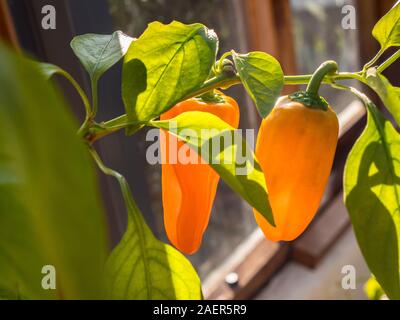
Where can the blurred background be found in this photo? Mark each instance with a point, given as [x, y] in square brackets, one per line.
[235, 261]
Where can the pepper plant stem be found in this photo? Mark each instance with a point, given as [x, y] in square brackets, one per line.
[328, 67]
[220, 81]
[90, 113]
[221, 60]
[388, 62]
[94, 98]
[373, 60]
[79, 90]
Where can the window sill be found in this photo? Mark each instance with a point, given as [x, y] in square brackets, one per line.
[257, 260]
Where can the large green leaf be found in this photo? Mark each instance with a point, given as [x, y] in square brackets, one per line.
[390, 95]
[142, 267]
[372, 197]
[262, 76]
[49, 206]
[164, 65]
[200, 130]
[98, 52]
[387, 29]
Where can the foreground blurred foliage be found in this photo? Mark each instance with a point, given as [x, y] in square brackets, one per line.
[50, 212]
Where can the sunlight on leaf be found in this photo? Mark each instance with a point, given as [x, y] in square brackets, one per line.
[389, 94]
[387, 29]
[141, 267]
[165, 64]
[262, 76]
[373, 290]
[373, 202]
[246, 178]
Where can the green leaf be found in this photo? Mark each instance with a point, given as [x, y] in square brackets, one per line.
[164, 65]
[390, 95]
[387, 29]
[142, 267]
[373, 290]
[98, 52]
[49, 206]
[48, 70]
[372, 197]
[262, 76]
[246, 178]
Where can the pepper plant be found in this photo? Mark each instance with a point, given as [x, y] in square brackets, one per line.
[50, 212]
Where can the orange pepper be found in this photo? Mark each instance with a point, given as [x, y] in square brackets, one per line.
[295, 147]
[188, 190]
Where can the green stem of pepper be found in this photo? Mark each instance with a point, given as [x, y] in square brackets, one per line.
[326, 68]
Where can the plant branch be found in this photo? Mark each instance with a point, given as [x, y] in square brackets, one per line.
[102, 166]
[89, 120]
[304, 79]
[126, 191]
[80, 91]
[221, 60]
[361, 96]
[388, 62]
[373, 60]
[220, 81]
[94, 98]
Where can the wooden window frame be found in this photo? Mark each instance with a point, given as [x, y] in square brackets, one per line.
[7, 30]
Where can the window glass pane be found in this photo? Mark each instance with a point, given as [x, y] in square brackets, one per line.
[319, 36]
[232, 219]
[132, 16]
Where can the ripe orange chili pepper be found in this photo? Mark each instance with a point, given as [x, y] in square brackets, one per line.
[295, 148]
[296, 145]
[188, 190]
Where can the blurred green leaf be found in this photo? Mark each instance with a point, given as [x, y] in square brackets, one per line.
[247, 178]
[141, 267]
[98, 52]
[49, 205]
[372, 197]
[389, 94]
[164, 65]
[387, 29]
[262, 76]
[373, 290]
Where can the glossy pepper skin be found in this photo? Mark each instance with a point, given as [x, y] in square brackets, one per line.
[295, 147]
[188, 190]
